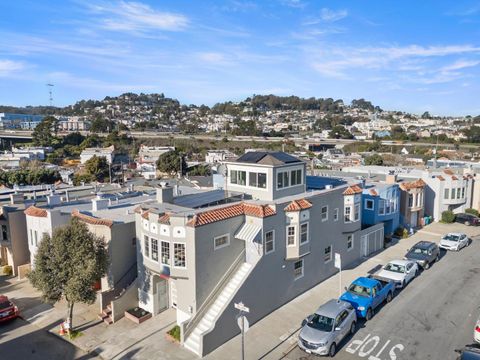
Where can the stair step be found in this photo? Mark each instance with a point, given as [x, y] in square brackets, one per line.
[108, 320]
[101, 316]
[195, 348]
[109, 307]
[106, 312]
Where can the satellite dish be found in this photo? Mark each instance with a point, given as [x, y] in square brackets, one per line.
[222, 170]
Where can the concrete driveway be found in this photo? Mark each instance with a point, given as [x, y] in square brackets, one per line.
[441, 304]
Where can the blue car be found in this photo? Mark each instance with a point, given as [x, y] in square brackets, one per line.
[367, 293]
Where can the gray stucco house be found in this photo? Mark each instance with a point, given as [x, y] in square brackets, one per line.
[263, 240]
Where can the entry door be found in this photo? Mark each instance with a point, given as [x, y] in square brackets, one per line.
[162, 295]
[414, 219]
[364, 245]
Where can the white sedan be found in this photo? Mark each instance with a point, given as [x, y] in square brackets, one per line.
[454, 241]
[400, 271]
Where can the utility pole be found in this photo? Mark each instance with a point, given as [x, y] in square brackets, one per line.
[242, 323]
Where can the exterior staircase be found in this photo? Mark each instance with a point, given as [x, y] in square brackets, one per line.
[106, 315]
[207, 322]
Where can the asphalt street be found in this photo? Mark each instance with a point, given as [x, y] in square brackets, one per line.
[22, 340]
[429, 319]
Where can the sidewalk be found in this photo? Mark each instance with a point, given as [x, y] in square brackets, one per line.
[121, 340]
[275, 335]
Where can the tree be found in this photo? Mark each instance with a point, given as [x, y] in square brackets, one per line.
[426, 115]
[97, 167]
[67, 265]
[374, 159]
[74, 138]
[448, 216]
[171, 163]
[339, 132]
[44, 133]
[99, 124]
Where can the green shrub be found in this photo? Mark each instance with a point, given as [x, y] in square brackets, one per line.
[404, 234]
[175, 332]
[448, 217]
[472, 211]
[399, 231]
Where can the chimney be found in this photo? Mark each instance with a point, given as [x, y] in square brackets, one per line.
[99, 204]
[165, 193]
[391, 179]
[16, 199]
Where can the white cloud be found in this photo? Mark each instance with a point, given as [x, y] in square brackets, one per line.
[326, 16]
[8, 67]
[461, 64]
[214, 58]
[137, 17]
[299, 4]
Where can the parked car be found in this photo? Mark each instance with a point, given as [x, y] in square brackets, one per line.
[367, 293]
[8, 310]
[399, 271]
[467, 219]
[454, 241]
[424, 253]
[326, 328]
[476, 332]
[469, 352]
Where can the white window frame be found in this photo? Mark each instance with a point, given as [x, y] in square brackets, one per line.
[161, 253]
[356, 210]
[282, 173]
[256, 179]
[349, 207]
[146, 246]
[335, 214]
[369, 201]
[350, 237]
[265, 242]
[294, 235]
[308, 237]
[298, 177]
[331, 254]
[381, 207]
[446, 193]
[217, 247]
[324, 213]
[151, 248]
[185, 255]
[303, 269]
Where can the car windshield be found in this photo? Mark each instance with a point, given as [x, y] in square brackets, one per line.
[359, 290]
[320, 322]
[451, 237]
[5, 304]
[420, 251]
[395, 268]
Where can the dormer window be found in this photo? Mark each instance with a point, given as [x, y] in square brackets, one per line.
[282, 180]
[238, 177]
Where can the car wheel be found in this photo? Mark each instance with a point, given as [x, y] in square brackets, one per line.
[437, 258]
[369, 315]
[427, 266]
[402, 285]
[353, 327]
[333, 350]
[389, 297]
[467, 223]
[416, 273]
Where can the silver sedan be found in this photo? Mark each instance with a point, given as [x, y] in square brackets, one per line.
[326, 328]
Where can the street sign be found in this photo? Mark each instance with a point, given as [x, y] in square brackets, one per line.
[241, 307]
[243, 324]
[338, 261]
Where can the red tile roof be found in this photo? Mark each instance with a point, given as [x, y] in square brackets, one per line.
[352, 190]
[441, 178]
[91, 219]
[448, 172]
[373, 192]
[211, 216]
[164, 219]
[35, 211]
[412, 185]
[454, 177]
[297, 205]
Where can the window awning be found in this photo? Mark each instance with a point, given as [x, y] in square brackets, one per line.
[248, 232]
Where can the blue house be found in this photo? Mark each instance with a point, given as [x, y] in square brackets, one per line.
[381, 203]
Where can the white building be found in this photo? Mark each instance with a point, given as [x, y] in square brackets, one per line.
[73, 123]
[216, 156]
[147, 158]
[88, 153]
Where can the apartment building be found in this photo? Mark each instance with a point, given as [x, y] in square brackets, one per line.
[88, 153]
[13, 239]
[381, 204]
[265, 230]
[447, 190]
[412, 201]
[147, 158]
[113, 219]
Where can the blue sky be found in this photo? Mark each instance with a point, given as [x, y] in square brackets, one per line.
[405, 55]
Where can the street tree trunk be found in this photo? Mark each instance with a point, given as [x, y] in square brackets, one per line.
[70, 314]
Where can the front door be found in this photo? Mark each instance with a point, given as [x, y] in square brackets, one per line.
[162, 295]
[414, 219]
